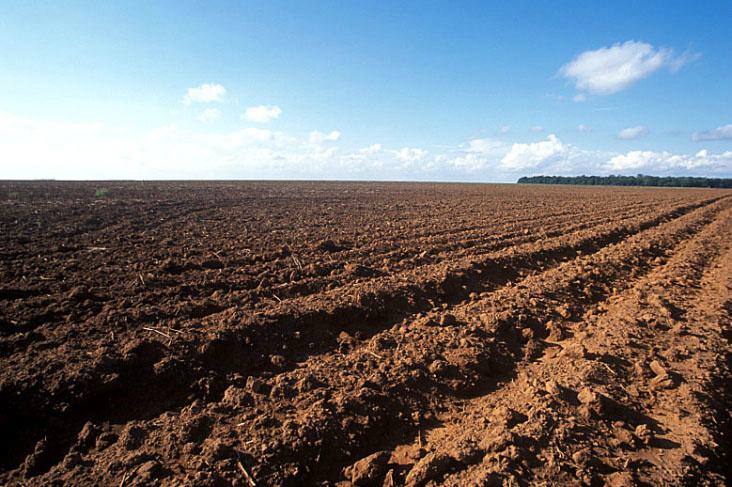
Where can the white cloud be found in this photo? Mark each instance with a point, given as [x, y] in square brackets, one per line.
[632, 133]
[720, 133]
[31, 149]
[487, 146]
[611, 69]
[20, 125]
[579, 98]
[631, 160]
[370, 149]
[504, 129]
[471, 162]
[209, 114]
[206, 93]
[42, 149]
[524, 156]
[39, 149]
[686, 57]
[508, 161]
[478, 155]
[537, 128]
[262, 113]
[317, 137]
[584, 128]
[181, 148]
[410, 154]
[665, 161]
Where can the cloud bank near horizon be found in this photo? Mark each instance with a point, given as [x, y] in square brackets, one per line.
[40, 149]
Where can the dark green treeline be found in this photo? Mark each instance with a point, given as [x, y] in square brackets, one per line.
[639, 180]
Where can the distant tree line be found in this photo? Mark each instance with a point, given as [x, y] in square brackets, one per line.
[639, 180]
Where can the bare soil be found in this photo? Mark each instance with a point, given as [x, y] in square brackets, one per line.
[368, 334]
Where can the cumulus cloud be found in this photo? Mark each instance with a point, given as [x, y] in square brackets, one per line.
[508, 161]
[209, 114]
[584, 128]
[39, 149]
[524, 156]
[475, 156]
[206, 93]
[720, 133]
[611, 69]
[262, 113]
[632, 133]
[665, 161]
[317, 137]
[410, 154]
[370, 149]
[471, 162]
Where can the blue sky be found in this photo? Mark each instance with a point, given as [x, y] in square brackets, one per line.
[458, 91]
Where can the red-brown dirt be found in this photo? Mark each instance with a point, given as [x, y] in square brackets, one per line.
[297, 334]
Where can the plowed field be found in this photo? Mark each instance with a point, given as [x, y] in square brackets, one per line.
[303, 334]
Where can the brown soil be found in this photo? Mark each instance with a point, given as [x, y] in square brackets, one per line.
[241, 334]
